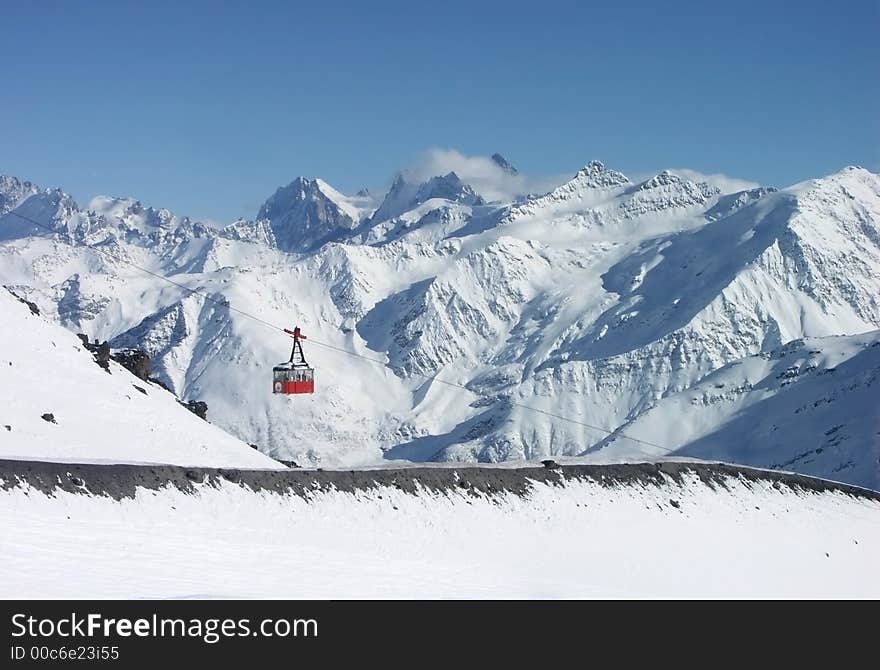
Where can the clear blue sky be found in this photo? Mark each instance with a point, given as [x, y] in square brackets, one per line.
[207, 107]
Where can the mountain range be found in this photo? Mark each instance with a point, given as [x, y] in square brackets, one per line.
[608, 318]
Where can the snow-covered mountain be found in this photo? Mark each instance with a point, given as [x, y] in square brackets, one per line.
[610, 302]
[811, 405]
[308, 213]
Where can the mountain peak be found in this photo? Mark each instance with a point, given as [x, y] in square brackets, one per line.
[404, 195]
[396, 200]
[664, 178]
[398, 183]
[593, 166]
[503, 163]
[447, 187]
[595, 175]
[14, 191]
[308, 213]
[667, 180]
[300, 189]
[854, 171]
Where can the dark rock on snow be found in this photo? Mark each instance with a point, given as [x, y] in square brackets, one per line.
[135, 361]
[101, 351]
[197, 407]
[31, 305]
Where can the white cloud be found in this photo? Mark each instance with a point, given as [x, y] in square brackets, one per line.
[485, 176]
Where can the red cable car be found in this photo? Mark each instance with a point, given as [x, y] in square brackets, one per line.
[294, 376]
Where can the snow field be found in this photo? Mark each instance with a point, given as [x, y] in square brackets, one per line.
[580, 540]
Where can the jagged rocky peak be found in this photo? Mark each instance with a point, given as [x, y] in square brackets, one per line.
[404, 195]
[667, 180]
[161, 218]
[14, 191]
[503, 163]
[246, 230]
[398, 184]
[595, 175]
[591, 183]
[308, 213]
[667, 192]
[364, 193]
[53, 201]
[447, 187]
[286, 197]
[66, 205]
[134, 214]
[757, 193]
[396, 200]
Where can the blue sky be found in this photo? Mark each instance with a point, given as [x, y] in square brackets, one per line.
[206, 108]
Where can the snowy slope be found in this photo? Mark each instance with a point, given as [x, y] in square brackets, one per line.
[594, 301]
[577, 538]
[97, 416]
[810, 406]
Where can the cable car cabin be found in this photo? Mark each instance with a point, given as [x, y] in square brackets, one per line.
[295, 375]
[286, 379]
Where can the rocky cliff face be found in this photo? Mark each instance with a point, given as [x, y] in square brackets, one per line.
[303, 216]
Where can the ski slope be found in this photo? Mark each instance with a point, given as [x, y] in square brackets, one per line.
[737, 538]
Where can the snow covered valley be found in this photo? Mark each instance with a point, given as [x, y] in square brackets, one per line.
[643, 530]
